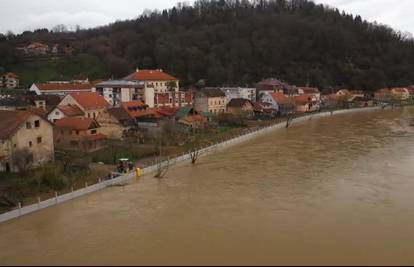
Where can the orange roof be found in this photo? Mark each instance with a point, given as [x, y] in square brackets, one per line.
[303, 99]
[10, 121]
[399, 90]
[133, 104]
[309, 90]
[64, 86]
[90, 100]
[194, 118]
[280, 98]
[11, 75]
[81, 124]
[71, 111]
[137, 109]
[150, 75]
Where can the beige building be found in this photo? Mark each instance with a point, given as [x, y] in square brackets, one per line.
[92, 104]
[26, 141]
[78, 134]
[211, 100]
[115, 122]
[159, 80]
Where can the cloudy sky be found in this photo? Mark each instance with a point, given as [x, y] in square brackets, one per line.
[20, 15]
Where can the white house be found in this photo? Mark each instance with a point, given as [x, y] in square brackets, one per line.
[118, 91]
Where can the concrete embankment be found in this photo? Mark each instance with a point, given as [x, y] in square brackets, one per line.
[20, 211]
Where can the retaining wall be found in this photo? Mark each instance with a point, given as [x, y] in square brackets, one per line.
[20, 211]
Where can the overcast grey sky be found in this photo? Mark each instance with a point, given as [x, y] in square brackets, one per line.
[20, 15]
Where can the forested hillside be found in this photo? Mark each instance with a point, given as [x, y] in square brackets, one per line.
[238, 42]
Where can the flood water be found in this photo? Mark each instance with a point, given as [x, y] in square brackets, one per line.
[337, 190]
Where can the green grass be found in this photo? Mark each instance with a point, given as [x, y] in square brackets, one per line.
[46, 69]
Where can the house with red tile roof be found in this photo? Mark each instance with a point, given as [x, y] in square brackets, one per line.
[78, 134]
[60, 88]
[161, 81]
[278, 101]
[400, 93]
[9, 80]
[92, 104]
[306, 103]
[240, 106]
[61, 112]
[310, 91]
[26, 141]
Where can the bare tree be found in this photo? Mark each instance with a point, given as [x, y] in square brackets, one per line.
[193, 145]
[22, 159]
[162, 165]
[290, 108]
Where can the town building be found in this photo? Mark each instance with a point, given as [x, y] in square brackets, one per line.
[173, 99]
[66, 111]
[117, 91]
[35, 48]
[9, 80]
[273, 85]
[78, 134]
[310, 91]
[189, 117]
[60, 88]
[210, 100]
[239, 92]
[92, 104]
[241, 106]
[400, 94]
[26, 141]
[279, 101]
[306, 103]
[159, 80]
[115, 122]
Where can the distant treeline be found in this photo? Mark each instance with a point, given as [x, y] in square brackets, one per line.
[239, 42]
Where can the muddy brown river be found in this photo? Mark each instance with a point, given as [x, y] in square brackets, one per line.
[337, 190]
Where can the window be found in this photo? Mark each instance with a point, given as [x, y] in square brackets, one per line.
[77, 132]
[89, 115]
[37, 124]
[57, 113]
[62, 132]
[14, 145]
[93, 131]
[28, 125]
[39, 140]
[30, 144]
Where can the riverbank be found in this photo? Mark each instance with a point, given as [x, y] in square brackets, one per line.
[184, 158]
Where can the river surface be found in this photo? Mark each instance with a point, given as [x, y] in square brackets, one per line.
[336, 190]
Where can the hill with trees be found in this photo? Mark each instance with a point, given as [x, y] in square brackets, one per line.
[233, 42]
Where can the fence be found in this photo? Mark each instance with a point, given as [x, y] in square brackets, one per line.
[20, 211]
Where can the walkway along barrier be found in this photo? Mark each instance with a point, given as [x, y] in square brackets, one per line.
[20, 211]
